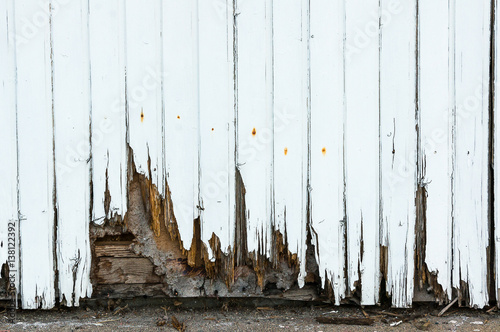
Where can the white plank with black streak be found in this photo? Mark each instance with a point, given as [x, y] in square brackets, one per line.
[109, 151]
[9, 226]
[362, 132]
[398, 141]
[436, 135]
[72, 127]
[471, 164]
[216, 131]
[180, 93]
[254, 156]
[290, 123]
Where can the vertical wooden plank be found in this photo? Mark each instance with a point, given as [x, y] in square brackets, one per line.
[290, 33]
[109, 151]
[180, 63]
[435, 154]
[362, 167]
[72, 114]
[9, 245]
[398, 139]
[215, 26]
[327, 150]
[496, 147]
[255, 119]
[471, 73]
[35, 146]
[144, 99]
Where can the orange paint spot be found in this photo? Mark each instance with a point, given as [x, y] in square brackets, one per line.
[324, 151]
[212, 129]
[254, 132]
[178, 116]
[142, 116]
[286, 151]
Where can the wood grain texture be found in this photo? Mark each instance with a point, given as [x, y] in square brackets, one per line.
[114, 249]
[129, 290]
[125, 271]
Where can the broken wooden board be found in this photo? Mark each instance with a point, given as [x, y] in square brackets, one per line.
[109, 150]
[145, 113]
[114, 249]
[436, 141]
[181, 121]
[120, 270]
[217, 128]
[254, 120]
[290, 125]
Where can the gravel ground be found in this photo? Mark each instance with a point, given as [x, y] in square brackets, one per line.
[227, 317]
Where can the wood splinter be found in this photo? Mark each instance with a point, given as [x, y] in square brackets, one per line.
[441, 313]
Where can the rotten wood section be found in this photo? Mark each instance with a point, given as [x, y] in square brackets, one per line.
[237, 148]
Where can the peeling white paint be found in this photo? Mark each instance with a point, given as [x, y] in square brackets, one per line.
[107, 64]
[216, 131]
[331, 110]
[436, 134]
[290, 122]
[398, 153]
[8, 135]
[36, 162]
[470, 186]
[144, 98]
[254, 155]
[71, 105]
[361, 146]
[180, 93]
[327, 142]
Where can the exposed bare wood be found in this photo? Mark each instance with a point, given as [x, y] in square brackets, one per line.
[114, 249]
[126, 271]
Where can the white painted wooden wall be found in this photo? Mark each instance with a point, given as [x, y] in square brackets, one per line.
[340, 107]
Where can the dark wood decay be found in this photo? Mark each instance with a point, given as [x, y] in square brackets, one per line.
[143, 254]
